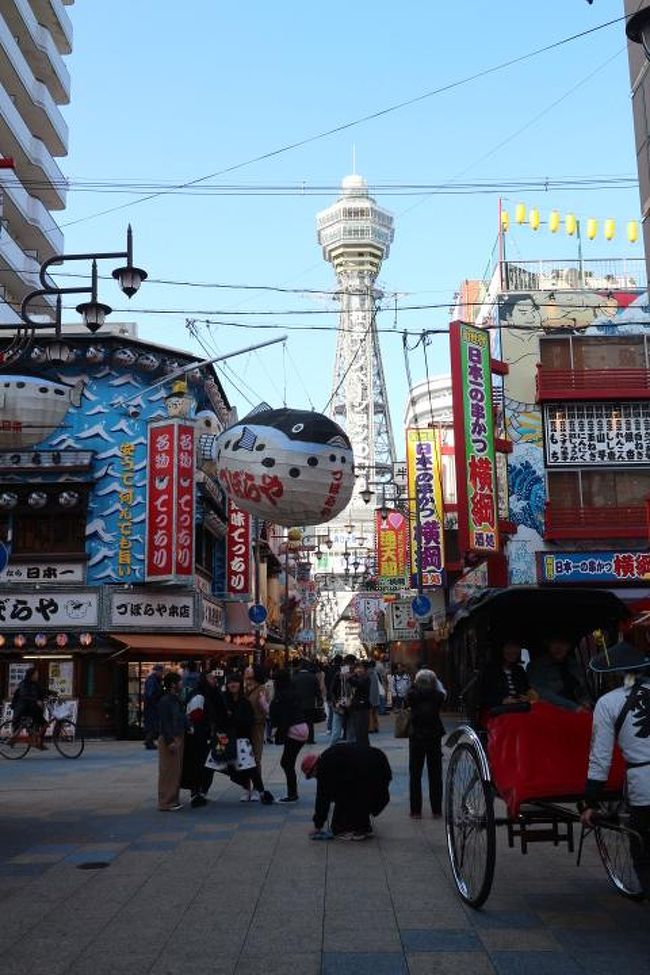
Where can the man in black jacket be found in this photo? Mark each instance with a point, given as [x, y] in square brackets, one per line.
[356, 780]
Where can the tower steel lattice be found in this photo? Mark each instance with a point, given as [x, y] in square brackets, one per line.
[355, 235]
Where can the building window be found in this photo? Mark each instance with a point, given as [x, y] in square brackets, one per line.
[49, 534]
[598, 489]
[593, 352]
[204, 550]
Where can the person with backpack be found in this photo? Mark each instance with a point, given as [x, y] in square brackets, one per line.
[623, 716]
[425, 741]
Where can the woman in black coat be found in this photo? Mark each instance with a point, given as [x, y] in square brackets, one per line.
[505, 682]
[425, 699]
[202, 724]
[286, 716]
[237, 724]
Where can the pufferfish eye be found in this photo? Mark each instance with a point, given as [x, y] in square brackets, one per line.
[298, 428]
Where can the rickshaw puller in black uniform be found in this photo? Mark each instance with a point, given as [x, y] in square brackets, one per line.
[623, 715]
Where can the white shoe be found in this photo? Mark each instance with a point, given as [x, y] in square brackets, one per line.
[246, 797]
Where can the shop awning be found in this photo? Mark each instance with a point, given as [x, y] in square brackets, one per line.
[160, 645]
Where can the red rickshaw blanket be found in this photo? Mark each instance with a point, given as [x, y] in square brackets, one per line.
[543, 754]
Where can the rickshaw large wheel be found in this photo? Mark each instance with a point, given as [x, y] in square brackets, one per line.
[615, 849]
[471, 831]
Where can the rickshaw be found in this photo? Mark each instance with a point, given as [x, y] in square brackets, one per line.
[532, 760]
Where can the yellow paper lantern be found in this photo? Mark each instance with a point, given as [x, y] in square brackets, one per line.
[633, 231]
[520, 213]
[592, 228]
[533, 219]
[505, 221]
[571, 224]
[554, 221]
[609, 229]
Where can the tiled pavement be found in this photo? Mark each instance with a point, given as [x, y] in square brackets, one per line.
[236, 889]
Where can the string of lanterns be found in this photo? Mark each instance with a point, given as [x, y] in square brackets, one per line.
[571, 223]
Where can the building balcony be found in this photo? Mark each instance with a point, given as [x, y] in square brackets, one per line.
[19, 272]
[28, 220]
[595, 523]
[34, 163]
[592, 384]
[39, 49]
[52, 14]
[30, 96]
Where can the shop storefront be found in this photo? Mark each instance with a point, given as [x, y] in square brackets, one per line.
[96, 647]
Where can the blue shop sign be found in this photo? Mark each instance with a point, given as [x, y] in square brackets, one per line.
[596, 567]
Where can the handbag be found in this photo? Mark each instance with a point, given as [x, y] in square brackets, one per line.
[299, 732]
[245, 759]
[221, 756]
[402, 722]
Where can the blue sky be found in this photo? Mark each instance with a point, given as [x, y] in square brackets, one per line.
[170, 92]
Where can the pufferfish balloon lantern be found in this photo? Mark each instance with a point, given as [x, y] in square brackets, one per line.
[290, 467]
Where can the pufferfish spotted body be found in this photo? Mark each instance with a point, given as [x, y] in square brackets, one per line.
[291, 467]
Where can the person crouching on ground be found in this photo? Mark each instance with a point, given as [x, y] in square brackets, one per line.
[425, 741]
[356, 779]
[170, 744]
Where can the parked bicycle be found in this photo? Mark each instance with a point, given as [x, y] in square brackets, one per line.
[15, 742]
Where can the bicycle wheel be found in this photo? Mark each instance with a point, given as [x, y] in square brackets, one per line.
[471, 831]
[67, 739]
[614, 847]
[14, 745]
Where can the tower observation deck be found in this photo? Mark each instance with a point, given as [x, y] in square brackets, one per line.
[355, 235]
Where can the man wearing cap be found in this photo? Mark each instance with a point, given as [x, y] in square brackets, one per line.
[353, 777]
[623, 716]
[153, 691]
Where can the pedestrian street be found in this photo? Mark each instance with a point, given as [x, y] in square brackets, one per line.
[95, 881]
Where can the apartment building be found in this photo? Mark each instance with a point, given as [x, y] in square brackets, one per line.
[35, 37]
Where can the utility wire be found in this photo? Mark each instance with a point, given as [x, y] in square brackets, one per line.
[351, 124]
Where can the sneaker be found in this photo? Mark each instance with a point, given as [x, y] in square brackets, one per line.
[359, 836]
[197, 801]
[343, 836]
[288, 799]
[174, 808]
[246, 797]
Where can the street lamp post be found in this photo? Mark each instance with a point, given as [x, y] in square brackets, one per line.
[94, 312]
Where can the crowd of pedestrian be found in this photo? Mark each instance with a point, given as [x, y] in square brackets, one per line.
[202, 724]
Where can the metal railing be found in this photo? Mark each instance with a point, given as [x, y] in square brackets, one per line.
[596, 273]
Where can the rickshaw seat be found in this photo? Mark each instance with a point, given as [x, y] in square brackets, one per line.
[543, 754]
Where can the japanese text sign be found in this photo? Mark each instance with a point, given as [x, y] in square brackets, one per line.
[238, 551]
[425, 505]
[151, 610]
[474, 438]
[390, 540]
[170, 501]
[33, 610]
[598, 567]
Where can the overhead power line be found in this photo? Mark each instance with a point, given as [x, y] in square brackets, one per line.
[344, 126]
[299, 188]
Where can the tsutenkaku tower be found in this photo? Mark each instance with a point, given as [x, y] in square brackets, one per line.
[356, 234]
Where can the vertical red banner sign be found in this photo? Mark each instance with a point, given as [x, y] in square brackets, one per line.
[159, 559]
[238, 552]
[170, 502]
[391, 536]
[184, 513]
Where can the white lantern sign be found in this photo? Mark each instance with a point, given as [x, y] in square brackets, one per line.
[291, 467]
